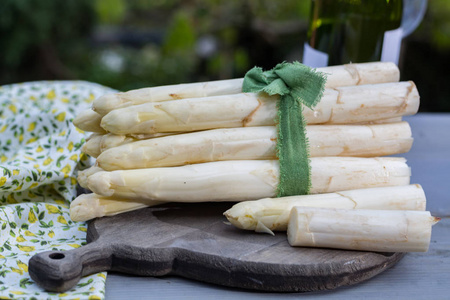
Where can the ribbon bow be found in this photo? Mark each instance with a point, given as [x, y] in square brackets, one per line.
[297, 85]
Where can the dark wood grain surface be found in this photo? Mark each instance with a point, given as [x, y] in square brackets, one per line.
[194, 241]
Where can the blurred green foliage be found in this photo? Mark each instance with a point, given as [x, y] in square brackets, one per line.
[111, 11]
[438, 24]
[105, 40]
[131, 44]
[426, 58]
[36, 35]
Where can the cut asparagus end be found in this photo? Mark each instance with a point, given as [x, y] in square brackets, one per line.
[371, 72]
[366, 230]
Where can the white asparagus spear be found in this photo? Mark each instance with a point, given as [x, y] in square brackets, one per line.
[269, 214]
[117, 140]
[90, 206]
[381, 121]
[99, 143]
[272, 214]
[343, 105]
[83, 175]
[245, 179]
[247, 143]
[92, 146]
[89, 120]
[359, 140]
[368, 230]
[343, 75]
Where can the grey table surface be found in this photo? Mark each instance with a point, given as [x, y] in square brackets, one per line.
[416, 276]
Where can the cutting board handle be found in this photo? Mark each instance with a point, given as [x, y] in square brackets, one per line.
[59, 271]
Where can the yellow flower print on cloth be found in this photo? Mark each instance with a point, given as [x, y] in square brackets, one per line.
[40, 153]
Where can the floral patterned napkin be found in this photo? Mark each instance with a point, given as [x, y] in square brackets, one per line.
[40, 153]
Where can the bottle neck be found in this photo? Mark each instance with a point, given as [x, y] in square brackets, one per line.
[352, 30]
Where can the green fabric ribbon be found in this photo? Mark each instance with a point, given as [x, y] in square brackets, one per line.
[297, 85]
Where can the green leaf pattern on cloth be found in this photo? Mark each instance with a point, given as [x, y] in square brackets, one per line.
[40, 153]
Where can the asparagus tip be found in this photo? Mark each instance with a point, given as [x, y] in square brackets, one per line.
[104, 103]
[84, 208]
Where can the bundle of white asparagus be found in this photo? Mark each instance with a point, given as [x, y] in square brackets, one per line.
[205, 142]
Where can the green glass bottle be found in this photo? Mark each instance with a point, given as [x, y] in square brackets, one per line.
[345, 31]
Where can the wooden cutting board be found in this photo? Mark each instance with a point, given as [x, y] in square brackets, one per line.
[195, 241]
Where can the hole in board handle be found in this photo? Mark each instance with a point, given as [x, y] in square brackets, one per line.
[56, 255]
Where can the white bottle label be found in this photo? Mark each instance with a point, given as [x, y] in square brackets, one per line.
[314, 58]
[392, 43]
